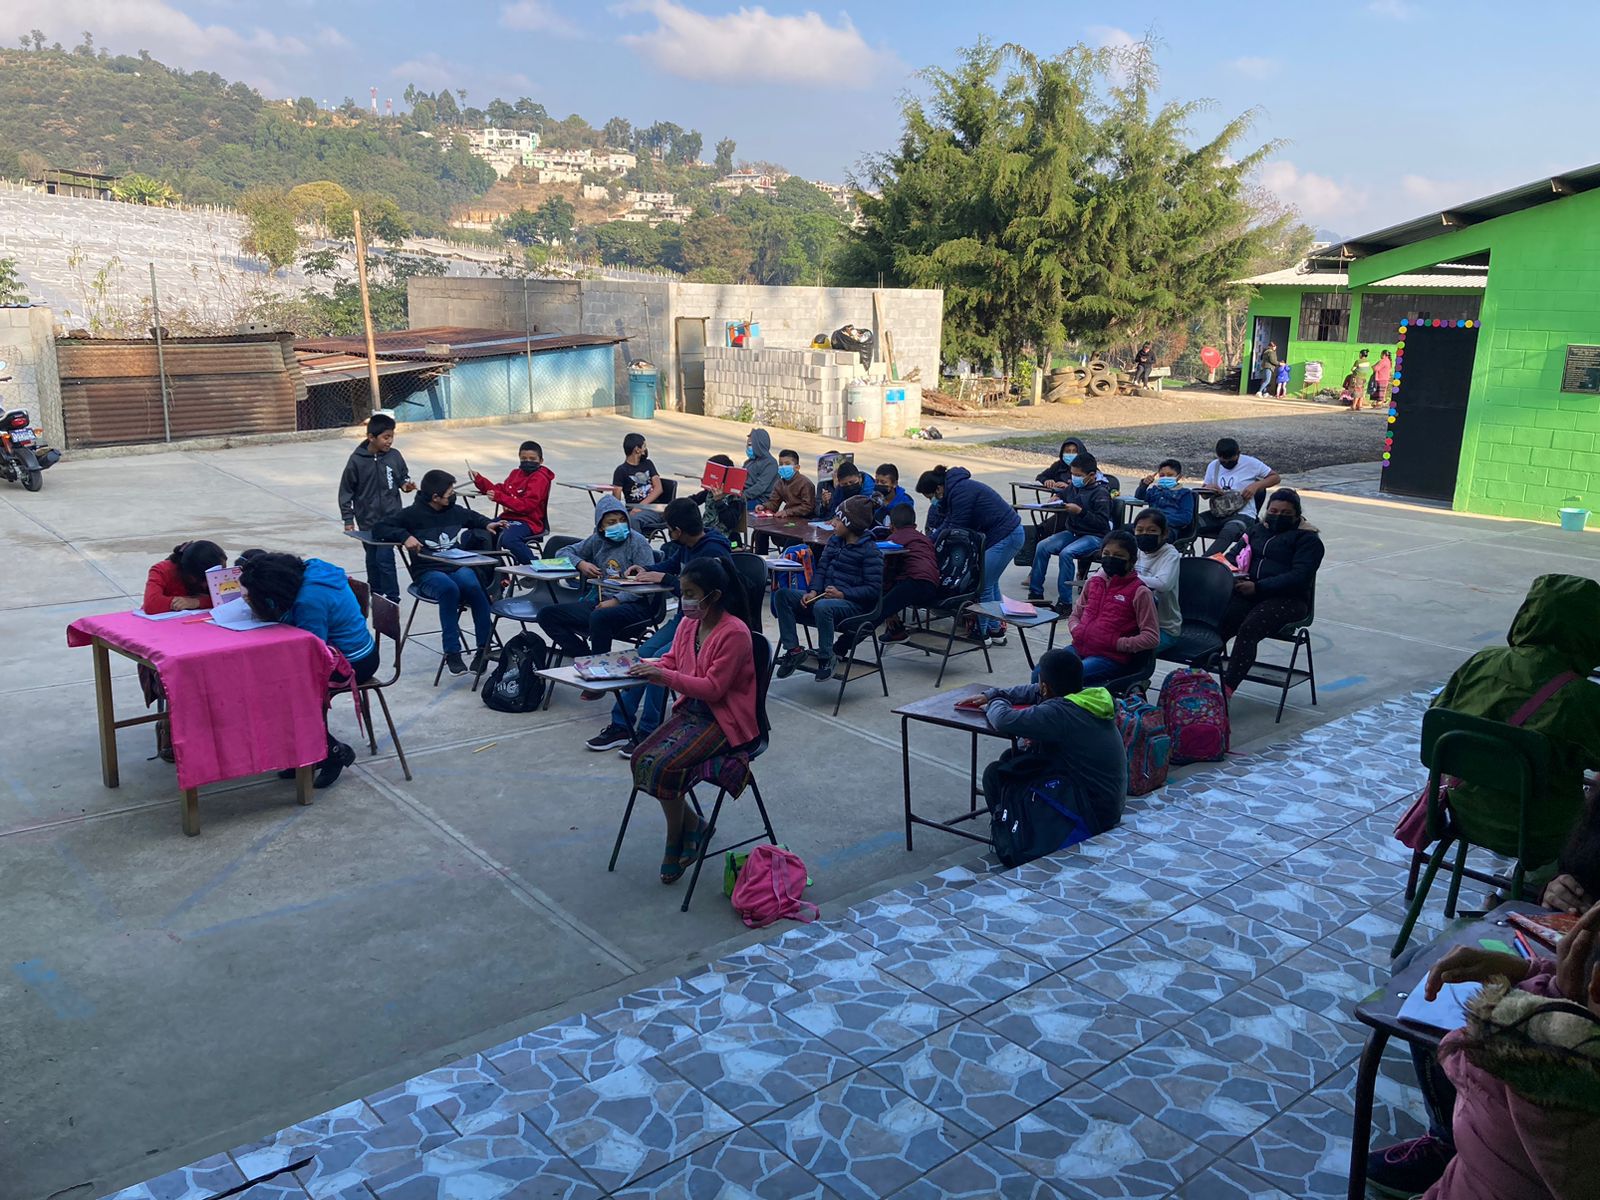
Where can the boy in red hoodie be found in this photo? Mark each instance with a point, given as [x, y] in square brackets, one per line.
[522, 498]
[1114, 616]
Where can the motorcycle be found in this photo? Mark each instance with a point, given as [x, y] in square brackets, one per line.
[23, 455]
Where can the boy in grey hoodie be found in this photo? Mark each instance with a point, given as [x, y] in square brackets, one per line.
[587, 626]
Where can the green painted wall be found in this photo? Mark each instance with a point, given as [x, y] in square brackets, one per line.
[1527, 445]
[1336, 357]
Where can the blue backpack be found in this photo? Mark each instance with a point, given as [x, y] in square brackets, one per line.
[793, 579]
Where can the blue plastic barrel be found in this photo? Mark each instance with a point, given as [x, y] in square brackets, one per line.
[642, 394]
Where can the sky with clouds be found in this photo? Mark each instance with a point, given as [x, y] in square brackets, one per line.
[1387, 108]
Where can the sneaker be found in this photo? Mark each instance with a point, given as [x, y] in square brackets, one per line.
[898, 634]
[789, 661]
[480, 660]
[1408, 1169]
[329, 770]
[826, 667]
[995, 639]
[1035, 597]
[626, 751]
[610, 738]
[455, 664]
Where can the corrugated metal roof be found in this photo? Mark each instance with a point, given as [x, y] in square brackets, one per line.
[1300, 277]
[1517, 199]
[321, 368]
[458, 341]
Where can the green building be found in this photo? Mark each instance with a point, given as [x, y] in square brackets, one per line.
[1493, 309]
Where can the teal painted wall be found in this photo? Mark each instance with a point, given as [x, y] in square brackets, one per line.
[1336, 357]
[1527, 445]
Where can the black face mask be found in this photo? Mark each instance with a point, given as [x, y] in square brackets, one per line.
[1281, 522]
[529, 468]
[1114, 566]
[1228, 466]
[1148, 542]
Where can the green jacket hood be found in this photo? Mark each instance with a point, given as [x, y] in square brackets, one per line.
[1095, 701]
[1562, 612]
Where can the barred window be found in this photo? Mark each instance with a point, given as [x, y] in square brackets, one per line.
[1325, 316]
[1382, 312]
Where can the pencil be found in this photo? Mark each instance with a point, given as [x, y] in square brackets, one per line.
[1522, 945]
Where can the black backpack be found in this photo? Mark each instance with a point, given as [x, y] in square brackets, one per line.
[514, 686]
[1034, 814]
[959, 553]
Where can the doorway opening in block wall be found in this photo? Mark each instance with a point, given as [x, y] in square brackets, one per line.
[689, 337]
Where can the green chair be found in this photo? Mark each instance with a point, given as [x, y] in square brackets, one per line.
[1488, 754]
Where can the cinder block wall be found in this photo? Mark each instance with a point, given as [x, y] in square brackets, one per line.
[28, 345]
[792, 389]
[646, 314]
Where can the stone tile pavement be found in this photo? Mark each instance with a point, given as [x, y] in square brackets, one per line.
[1162, 1012]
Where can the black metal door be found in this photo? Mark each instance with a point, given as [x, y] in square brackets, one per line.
[691, 340]
[1430, 412]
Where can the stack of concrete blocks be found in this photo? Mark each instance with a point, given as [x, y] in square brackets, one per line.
[790, 389]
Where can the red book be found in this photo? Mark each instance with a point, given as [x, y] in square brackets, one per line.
[728, 480]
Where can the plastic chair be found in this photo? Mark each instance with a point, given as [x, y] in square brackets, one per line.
[1297, 634]
[521, 608]
[731, 772]
[851, 632]
[385, 624]
[1487, 754]
[1206, 587]
[1137, 674]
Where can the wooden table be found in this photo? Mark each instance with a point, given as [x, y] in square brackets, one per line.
[763, 529]
[994, 609]
[105, 712]
[940, 711]
[1380, 1012]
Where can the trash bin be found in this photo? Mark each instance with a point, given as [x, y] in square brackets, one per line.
[1574, 519]
[642, 387]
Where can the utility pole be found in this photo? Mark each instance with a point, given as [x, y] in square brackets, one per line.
[374, 402]
[161, 359]
[527, 345]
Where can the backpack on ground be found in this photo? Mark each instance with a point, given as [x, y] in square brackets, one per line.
[800, 579]
[1029, 548]
[1196, 713]
[515, 686]
[1145, 738]
[1032, 817]
[769, 888]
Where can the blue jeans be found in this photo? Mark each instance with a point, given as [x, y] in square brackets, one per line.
[450, 590]
[995, 560]
[642, 708]
[1166, 640]
[1071, 547]
[824, 614]
[515, 538]
[1096, 670]
[381, 576]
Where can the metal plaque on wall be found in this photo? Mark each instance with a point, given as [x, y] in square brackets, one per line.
[1582, 370]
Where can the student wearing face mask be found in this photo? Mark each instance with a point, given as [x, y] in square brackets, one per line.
[711, 667]
[762, 468]
[589, 625]
[848, 582]
[794, 496]
[1157, 565]
[1164, 492]
[1086, 519]
[523, 499]
[436, 521]
[1285, 552]
[1114, 617]
[1232, 471]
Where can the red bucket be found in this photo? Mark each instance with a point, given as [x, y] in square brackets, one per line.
[855, 431]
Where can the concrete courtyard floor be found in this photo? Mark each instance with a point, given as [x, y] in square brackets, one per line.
[170, 999]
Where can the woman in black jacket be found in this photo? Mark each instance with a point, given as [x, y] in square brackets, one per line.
[1276, 589]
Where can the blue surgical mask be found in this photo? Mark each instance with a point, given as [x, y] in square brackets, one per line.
[618, 532]
[749, 452]
[1166, 481]
[1080, 481]
[1068, 458]
[786, 472]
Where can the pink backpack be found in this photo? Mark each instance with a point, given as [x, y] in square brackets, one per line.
[769, 888]
[1197, 716]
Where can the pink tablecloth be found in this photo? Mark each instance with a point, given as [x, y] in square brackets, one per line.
[241, 701]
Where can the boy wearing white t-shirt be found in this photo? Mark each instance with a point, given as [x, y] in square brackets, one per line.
[1232, 471]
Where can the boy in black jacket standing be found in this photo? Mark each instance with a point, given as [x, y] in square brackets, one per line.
[369, 491]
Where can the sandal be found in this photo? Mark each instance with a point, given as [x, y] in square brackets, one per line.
[688, 852]
[672, 861]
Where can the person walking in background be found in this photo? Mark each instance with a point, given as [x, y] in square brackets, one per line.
[369, 491]
[1362, 370]
[1142, 362]
[1382, 379]
[1269, 368]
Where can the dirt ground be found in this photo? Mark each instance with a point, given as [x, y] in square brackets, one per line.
[1136, 432]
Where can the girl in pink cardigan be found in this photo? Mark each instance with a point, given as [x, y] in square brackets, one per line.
[711, 667]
